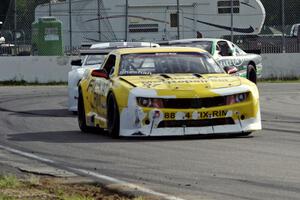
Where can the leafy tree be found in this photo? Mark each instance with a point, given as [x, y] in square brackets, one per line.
[25, 11]
[3, 9]
[274, 12]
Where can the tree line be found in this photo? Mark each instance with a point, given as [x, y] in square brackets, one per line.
[25, 10]
[274, 12]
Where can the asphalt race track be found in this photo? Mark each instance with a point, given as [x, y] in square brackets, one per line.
[265, 165]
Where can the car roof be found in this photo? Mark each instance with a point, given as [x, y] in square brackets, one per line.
[194, 40]
[114, 45]
[95, 51]
[158, 50]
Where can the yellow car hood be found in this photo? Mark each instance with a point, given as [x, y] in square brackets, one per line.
[183, 81]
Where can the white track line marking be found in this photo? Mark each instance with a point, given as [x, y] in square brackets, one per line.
[93, 174]
[129, 185]
[25, 154]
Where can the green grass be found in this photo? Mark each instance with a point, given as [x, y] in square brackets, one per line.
[12, 188]
[4, 197]
[9, 181]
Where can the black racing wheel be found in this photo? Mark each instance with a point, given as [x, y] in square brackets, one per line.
[251, 73]
[113, 117]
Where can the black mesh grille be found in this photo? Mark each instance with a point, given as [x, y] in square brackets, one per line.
[194, 103]
[195, 123]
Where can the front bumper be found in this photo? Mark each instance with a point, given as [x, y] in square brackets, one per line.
[235, 120]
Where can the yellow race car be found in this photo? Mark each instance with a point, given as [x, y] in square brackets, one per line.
[167, 91]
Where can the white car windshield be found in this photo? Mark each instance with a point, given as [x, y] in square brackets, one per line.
[94, 59]
[205, 45]
[169, 62]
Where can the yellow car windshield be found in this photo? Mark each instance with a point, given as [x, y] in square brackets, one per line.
[168, 63]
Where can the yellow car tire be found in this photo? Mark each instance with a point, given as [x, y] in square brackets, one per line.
[113, 116]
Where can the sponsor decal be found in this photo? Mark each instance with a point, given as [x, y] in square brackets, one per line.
[237, 62]
[186, 81]
[170, 82]
[91, 85]
[200, 115]
[134, 73]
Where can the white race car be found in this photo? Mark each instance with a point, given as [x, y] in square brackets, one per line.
[227, 54]
[90, 59]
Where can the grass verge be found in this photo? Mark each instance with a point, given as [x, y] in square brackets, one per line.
[41, 188]
[9, 181]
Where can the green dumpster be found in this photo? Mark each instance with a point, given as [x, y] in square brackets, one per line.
[47, 37]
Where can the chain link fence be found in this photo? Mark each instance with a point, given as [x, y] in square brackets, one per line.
[90, 21]
[280, 31]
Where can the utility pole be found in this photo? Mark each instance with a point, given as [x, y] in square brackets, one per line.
[178, 20]
[15, 23]
[50, 8]
[99, 20]
[231, 21]
[70, 24]
[283, 27]
[126, 21]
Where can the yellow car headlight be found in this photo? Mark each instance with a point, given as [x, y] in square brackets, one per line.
[236, 98]
[150, 102]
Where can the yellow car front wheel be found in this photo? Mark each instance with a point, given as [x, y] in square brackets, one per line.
[113, 117]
